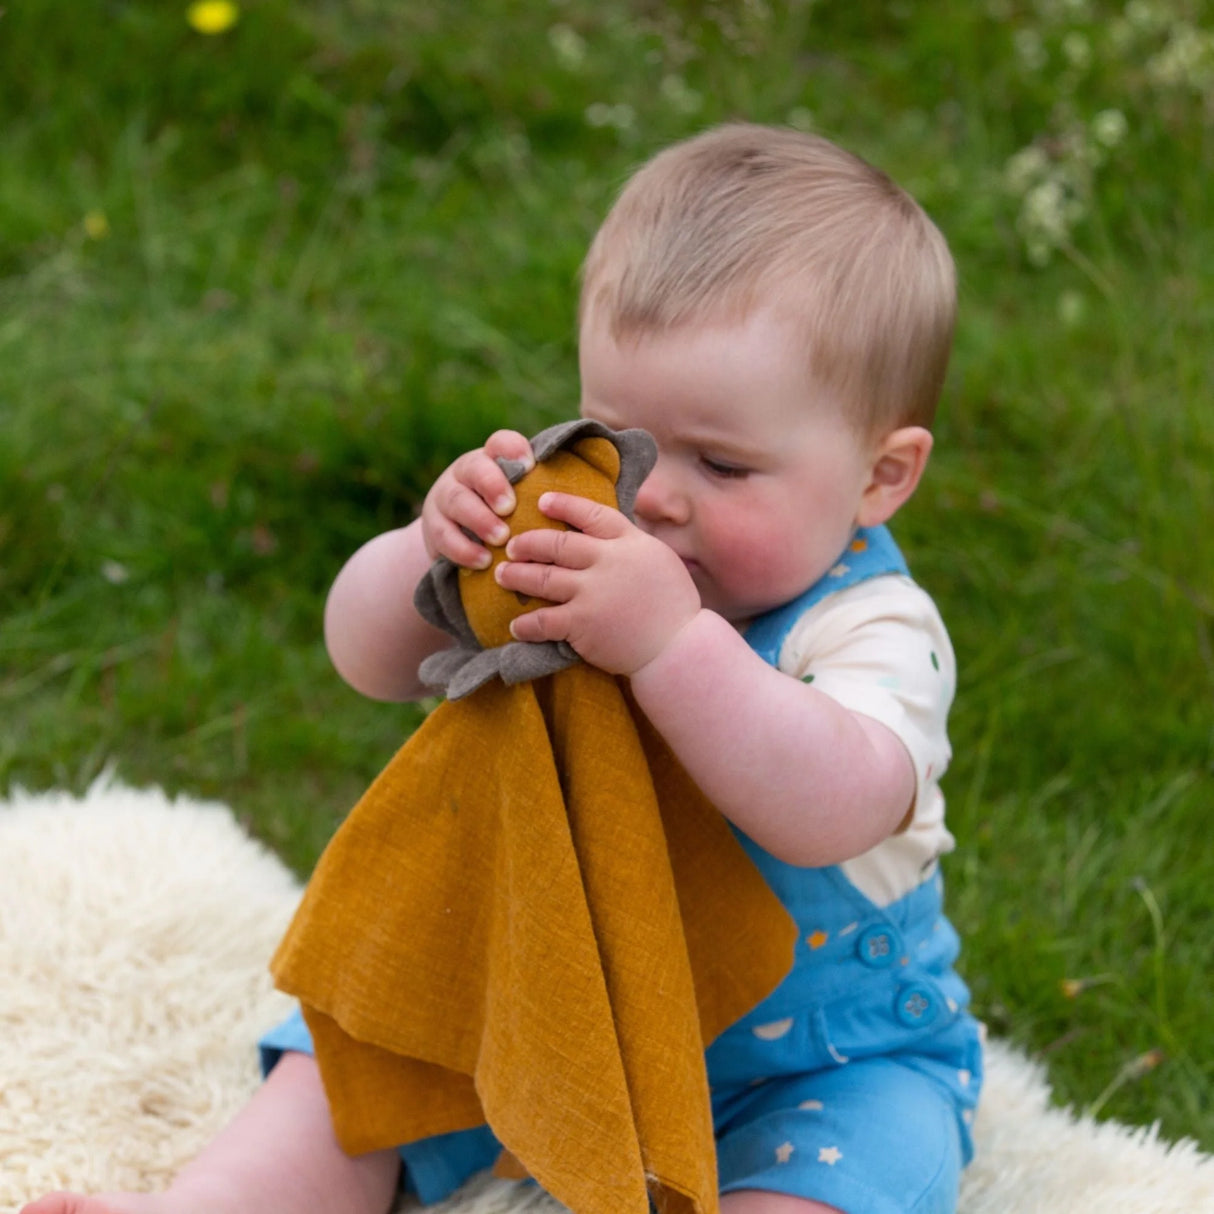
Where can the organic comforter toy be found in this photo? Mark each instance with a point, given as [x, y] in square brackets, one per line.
[533, 917]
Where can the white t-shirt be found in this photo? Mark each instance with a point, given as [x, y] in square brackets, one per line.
[880, 648]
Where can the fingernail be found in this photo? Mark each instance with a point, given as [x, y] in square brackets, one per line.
[483, 561]
[497, 573]
[510, 547]
[499, 535]
[504, 504]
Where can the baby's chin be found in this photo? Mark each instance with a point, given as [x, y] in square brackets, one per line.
[738, 609]
[724, 605]
[738, 605]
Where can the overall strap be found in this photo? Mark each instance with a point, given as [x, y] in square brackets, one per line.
[871, 553]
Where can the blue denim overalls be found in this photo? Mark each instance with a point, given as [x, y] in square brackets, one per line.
[854, 1083]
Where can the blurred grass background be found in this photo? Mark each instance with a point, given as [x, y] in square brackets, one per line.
[259, 285]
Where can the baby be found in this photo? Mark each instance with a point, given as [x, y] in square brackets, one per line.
[778, 315]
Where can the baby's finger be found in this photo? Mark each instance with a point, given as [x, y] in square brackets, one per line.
[449, 540]
[549, 582]
[593, 518]
[569, 549]
[480, 473]
[545, 624]
[510, 444]
[467, 509]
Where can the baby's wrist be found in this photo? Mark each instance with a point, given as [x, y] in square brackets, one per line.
[682, 646]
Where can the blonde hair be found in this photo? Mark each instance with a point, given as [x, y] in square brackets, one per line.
[745, 216]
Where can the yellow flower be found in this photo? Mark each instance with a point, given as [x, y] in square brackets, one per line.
[1145, 1063]
[96, 226]
[212, 16]
[1072, 988]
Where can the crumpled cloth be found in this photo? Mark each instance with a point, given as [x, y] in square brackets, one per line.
[534, 918]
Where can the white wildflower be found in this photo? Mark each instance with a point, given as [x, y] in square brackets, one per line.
[1030, 49]
[1071, 308]
[1039, 251]
[1186, 61]
[568, 45]
[681, 96]
[1144, 15]
[1027, 167]
[1046, 212]
[621, 116]
[1081, 155]
[1078, 50]
[1109, 128]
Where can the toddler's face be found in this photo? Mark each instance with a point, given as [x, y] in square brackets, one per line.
[759, 479]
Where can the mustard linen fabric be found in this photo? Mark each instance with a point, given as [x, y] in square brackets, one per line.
[534, 918]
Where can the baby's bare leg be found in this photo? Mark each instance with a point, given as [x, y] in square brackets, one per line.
[278, 1156]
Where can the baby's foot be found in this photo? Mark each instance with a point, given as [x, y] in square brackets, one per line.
[111, 1203]
[171, 1202]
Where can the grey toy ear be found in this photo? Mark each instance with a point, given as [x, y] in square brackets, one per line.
[514, 469]
[437, 601]
[638, 453]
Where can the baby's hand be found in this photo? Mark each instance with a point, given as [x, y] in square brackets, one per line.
[474, 494]
[621, 595]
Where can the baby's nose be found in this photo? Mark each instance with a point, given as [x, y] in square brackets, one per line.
[660, 499]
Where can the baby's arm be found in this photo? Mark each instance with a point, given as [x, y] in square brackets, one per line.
[374, 635]
[809, 780]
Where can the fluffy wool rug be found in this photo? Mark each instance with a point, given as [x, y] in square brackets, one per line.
[134, 935]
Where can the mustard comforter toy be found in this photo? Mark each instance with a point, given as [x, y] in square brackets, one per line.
[533, 917]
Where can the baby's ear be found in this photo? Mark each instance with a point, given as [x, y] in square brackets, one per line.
[601, 455]
[897, 467]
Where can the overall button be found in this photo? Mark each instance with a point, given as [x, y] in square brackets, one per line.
[917, 1006]
[879, 946]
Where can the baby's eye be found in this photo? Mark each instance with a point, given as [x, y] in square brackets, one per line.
[726, 471]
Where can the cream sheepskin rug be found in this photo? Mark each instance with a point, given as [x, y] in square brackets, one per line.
[134, 935]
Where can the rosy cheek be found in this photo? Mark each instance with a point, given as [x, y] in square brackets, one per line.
[735, 545]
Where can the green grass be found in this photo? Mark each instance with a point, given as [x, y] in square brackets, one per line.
[256, 290]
